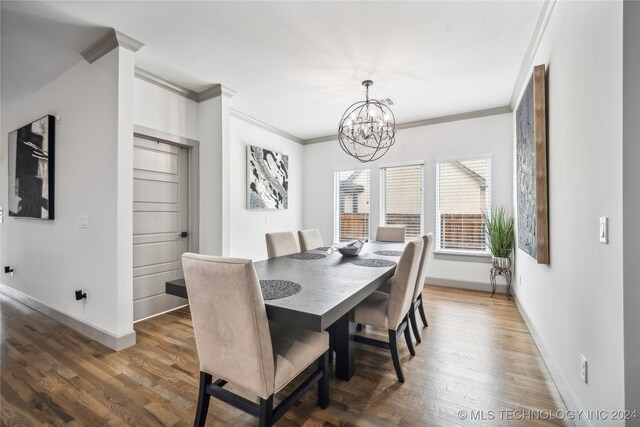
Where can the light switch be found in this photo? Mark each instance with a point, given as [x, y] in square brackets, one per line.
[604, 230]
[83, 221]
[1, 214]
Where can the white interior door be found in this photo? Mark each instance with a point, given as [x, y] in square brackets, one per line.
[160, 217]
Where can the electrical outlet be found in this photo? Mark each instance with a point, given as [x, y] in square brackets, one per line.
[583, 368]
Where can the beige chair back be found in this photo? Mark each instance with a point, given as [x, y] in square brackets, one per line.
[390, 234]
[403, 283]
[281, 243]
[230, 321]
[310, 239]
[422, 272]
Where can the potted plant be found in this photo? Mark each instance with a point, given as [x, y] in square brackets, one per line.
[500, 237]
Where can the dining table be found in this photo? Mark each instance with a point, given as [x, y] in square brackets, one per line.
[323, 290]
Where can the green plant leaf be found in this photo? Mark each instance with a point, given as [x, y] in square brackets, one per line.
[500, 232]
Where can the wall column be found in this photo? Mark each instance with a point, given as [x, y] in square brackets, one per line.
[214, 115]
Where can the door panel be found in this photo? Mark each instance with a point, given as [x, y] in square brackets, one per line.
[151, 284]
[155, 222]
[154, 161]
[154, 253]
[155, 268]
[160, 214]
[155, 191]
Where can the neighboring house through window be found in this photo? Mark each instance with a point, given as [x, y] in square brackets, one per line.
[401, 198]
[463, 196]
[351, 205]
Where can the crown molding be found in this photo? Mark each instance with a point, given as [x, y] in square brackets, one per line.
[215, 91]
[326, 138]
[110, 41]
[456, 117]
[165, 84]
[212, 92]
[263, 125]
[227, 91]
[218, 89]
[431, 121]
[536, 38]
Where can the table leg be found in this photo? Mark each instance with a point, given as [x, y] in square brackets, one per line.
[342, 333]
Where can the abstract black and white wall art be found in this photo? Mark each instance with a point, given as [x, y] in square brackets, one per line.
[31, 170]
[268, 180]
[531, 160]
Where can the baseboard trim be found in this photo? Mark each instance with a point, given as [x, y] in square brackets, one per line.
[557, 375]
[115, 342]
[462, 284]
[160, 314]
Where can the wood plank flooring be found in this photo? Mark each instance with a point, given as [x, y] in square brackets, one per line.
[476, 355]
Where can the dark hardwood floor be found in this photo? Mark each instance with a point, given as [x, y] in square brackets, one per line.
[476, 354]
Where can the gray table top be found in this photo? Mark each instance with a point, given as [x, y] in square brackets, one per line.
[331, 286]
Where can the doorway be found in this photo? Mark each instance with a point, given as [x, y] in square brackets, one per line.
[160, 223]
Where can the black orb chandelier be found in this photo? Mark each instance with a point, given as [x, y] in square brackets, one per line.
[367, 129]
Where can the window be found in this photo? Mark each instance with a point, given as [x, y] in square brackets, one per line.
[351, 205]
[463, 195]
[401, 198]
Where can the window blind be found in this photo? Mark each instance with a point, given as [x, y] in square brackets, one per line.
[402, 200]
[351, 205]
[463, 196]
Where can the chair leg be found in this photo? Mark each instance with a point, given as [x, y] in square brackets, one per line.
[407, 338]
[203, 400]
[421, 309]
[393, 346]
[266, 411]
[323, 384]
[414, 325]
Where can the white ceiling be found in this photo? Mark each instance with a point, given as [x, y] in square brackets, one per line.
[294, 65]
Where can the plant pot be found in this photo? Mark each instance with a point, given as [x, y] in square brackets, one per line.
[501, 263]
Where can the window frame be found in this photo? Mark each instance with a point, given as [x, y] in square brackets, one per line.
[382, 170]
[438, 250]
[336, 200]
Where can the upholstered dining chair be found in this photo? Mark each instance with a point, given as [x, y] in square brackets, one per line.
[281, 243]
[237, 344]
[391, 310]
[390, 234]
[417, 303]
[310, 239]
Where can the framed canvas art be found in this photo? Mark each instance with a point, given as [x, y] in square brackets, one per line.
[268, 179]
[31, 170]
[531, 164]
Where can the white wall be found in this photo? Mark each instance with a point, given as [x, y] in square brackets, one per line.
[479, 136]
[249, 227]
[52, 259]
[226, 226]
[575, 302]
[165, 111]
[631, 178]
